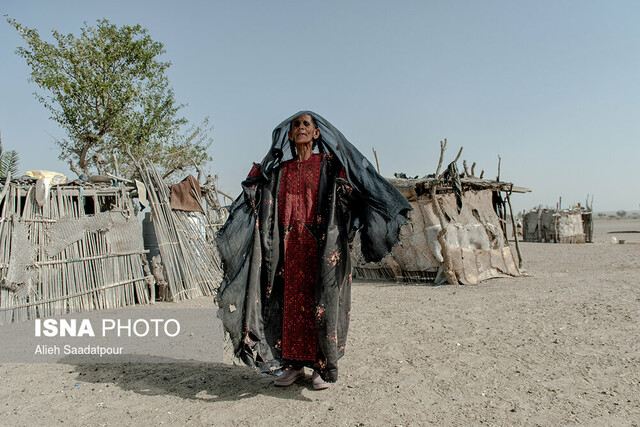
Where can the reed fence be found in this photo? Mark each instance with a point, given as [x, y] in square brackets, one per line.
[81, 250]
[190, 259]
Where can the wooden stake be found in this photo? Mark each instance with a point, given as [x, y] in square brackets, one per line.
[376, 156]
[515, 231]
[448, 269]
[115, 164]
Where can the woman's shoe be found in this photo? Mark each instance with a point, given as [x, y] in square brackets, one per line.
[288, 377]
[318, 382]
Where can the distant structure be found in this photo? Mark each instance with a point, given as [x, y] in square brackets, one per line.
[573, 225]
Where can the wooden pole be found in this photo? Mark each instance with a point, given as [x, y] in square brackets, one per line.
[376, 156]
[504, 217]
[115, 164]
[513, 225]
[448, 269]
[555, 223]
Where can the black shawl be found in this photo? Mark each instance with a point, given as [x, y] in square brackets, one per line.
[249, 305]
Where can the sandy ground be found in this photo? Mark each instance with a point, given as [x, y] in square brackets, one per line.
[558, 347]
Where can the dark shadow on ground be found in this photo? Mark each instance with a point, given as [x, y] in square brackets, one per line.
[389, 283]
[201, 381]
[623, 232]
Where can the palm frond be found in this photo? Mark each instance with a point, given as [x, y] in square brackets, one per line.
[9, 162]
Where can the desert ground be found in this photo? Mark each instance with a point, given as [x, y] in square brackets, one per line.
[559, 346]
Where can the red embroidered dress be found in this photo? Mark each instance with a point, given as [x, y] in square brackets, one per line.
[285, 251]
[297, 213]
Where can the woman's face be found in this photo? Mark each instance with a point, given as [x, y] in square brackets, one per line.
[303, 131]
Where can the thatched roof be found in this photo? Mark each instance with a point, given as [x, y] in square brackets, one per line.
[412, 188]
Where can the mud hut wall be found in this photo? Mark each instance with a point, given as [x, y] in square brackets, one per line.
[548, 225]
[476, 226]
[540, 226]
[570, 228]
[57, 260]
[480, 247]
[587, 225]
[416, 252]
[531, 226]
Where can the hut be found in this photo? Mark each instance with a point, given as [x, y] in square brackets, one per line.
[457, 230]
[68, 247]
[76, 246]
[473, 212]
[572, 225]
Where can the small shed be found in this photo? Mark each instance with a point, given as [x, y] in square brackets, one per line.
[476, 234]
[573, 225]
[68, 247]
[76, 246]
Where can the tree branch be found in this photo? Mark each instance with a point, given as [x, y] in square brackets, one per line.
[448, 269]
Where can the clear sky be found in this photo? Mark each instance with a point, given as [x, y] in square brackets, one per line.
[553, 87]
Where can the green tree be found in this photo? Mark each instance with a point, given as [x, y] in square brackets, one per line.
[109, 91]
[621, 213]
[8, 162]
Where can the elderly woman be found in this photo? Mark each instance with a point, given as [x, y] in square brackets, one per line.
[285, 299]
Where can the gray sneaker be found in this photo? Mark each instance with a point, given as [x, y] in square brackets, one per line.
[288, 377]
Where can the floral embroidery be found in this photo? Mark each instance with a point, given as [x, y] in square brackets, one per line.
[299, 183]
[247, 340]
[319, 312]
[333, 258]
[297, 214]
[332, 337]
[299, 336]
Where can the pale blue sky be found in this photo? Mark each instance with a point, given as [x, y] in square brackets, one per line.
[550, 86]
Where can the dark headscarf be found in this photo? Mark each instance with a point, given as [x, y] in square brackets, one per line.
[379, 194]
